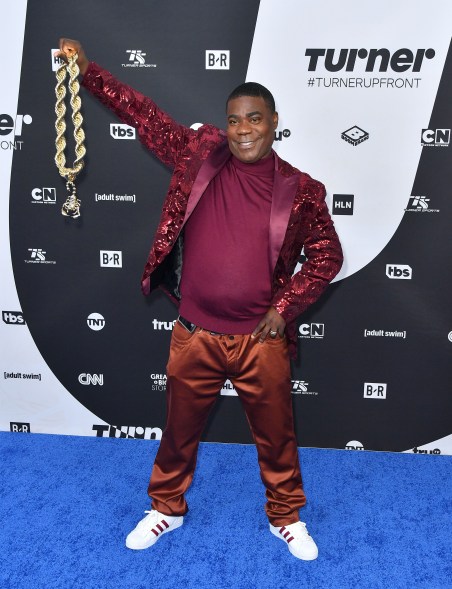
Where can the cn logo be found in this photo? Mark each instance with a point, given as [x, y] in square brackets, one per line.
[217, 59]
[314, 330]
[47, 195]
[110, 259]
[91, 379]
[435, 137]
[375, 390]
[118, 131]
[399, 271]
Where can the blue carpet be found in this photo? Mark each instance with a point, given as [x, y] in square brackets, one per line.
[380, 520]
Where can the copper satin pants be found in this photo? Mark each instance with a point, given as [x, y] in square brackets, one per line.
[198, 365]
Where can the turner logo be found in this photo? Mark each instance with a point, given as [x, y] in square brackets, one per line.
[43, 195]
[13, 318]
[10, 129]
[217, 59]
[435, 137]
[118, 131]
[91, 379]
[379, 60]
[399, 271]
[375, 390]
[355, 135]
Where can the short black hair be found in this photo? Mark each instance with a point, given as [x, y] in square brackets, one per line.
[253, 89]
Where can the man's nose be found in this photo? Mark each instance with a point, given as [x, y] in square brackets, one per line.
[243, 128]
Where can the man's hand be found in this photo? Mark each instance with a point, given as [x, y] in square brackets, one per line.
[272, 325]
[68, 47]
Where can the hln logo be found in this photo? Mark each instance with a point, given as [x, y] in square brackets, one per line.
[15, 426]
[343, 204]
[375, 390]
[110, 259]
[217, 59]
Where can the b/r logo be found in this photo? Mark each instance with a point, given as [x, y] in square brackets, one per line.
[375, 390]
[217, 59]
[110, 259]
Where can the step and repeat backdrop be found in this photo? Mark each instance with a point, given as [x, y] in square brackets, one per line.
[364, 97]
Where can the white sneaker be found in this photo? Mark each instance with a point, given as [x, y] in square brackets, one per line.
[150, 528]
[298, 540]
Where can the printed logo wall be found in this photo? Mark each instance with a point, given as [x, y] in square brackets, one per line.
[362, 98]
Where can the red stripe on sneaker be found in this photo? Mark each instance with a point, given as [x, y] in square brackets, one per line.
[289, 540]
[286, 534]
[281, 530]
[154, 532]
[160, 527]
[165, 524]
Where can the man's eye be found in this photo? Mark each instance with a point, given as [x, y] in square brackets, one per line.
[255, 120]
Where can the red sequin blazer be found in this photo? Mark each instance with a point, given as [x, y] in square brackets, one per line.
[299, 215]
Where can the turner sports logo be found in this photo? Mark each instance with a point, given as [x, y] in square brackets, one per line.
[128, 431]
[136, 59]
[419, 204]
[380, 60]
[301, 387]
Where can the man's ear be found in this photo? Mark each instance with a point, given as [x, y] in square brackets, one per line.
[275, 120]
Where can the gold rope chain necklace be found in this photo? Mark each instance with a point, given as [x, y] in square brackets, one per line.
[71, 207]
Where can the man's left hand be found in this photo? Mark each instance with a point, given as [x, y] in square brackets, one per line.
[272, 325]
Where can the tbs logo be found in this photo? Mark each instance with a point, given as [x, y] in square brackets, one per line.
[400, 271]
[217, 59]
[13, 318]
[46, 195]
[375, 390]
[435, 137]
[118, 131]
[355, 135]
[110, 259]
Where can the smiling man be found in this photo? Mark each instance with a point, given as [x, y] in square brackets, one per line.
[234, 222]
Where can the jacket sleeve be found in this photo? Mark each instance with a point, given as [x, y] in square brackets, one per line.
[324, 258]
[156, 130]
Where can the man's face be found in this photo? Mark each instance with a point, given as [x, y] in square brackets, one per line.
[251, 128]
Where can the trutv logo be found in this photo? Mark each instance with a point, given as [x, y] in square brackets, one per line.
[379, 60]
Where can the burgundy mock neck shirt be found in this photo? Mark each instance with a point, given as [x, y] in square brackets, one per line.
[226, 274]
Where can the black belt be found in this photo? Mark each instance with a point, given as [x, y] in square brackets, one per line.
[191, 326]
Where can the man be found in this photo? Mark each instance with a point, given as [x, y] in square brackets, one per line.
[234, 222]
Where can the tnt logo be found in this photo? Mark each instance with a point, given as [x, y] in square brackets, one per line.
[15, 426]
[91, 379]
[355, 135]
[343, 204]
[217, 59]
[9, 125]
[13, 318]
[354, 445]
[399, 271]
[312, 330]
[118, 131]
[95, 321]
[435, 137]
[44, 195]
[375, 390]
[110, 259]
[37, 254]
